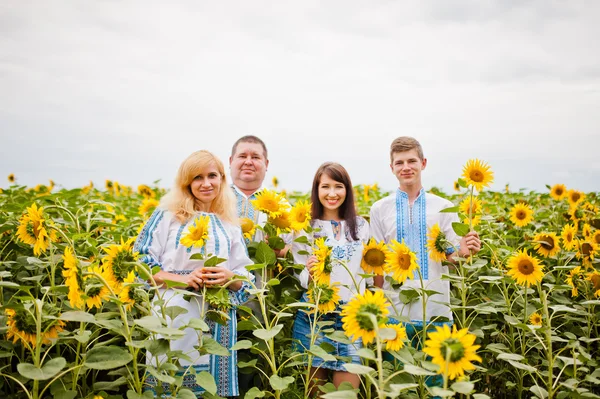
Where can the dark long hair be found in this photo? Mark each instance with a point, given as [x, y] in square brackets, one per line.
[347, 210]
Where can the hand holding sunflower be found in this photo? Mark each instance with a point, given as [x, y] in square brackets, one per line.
[470, 244]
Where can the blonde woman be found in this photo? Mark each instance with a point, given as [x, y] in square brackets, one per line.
[200, 189]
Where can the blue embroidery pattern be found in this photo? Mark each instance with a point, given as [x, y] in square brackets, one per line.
[144, 240]
[412, 227]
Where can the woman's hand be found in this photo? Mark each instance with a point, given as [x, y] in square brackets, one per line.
[310, 265]
[216, 276]
[194, 279]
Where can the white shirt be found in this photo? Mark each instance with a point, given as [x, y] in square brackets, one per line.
[394, 218]
[344, 249]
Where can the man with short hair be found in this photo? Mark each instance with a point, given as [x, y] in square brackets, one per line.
[408, 215]
[248, 165]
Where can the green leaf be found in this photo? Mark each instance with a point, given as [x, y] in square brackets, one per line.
[398, 388]
[175, 284]
[257, 266]
[206, 381]
[50, 369]
[134, 395]
[264, 254]
[106, 358]
[521, 366]
[340, 395]
[357, 368]
[416, 370]
[214, 261]
[339, 336]
[463, 387]
[78, 315]
[462, 182]
[387, 333]
[211, 346]
[109, 385]
[460, 229]
[539, 391]
[265, 334]
[273, 282]
[453, 209]
[186, 393]
[243, 344]
[366, 353]
[442, 393]
[150, 323]
[320, 352]
[510, 356]
[278, 383]
[254, 393]
[198, 324]
[302, 240]
[65, 395]
[276, 243]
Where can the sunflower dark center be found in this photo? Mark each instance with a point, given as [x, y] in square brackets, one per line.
[476, 176]
[595, 279]
[521, 215]
[575, 197]
[404, 261]
[597, 238]
[453, 349]
[525, 266]
[547, 242]
[559, 191]
[586, 248]
[375, 257]
[569, 236]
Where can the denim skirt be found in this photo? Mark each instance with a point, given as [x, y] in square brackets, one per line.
[345, 353]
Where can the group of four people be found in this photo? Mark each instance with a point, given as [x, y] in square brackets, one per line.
[201, 188]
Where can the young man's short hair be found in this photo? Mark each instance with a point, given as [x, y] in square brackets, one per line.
[405, 143]
[249, 139]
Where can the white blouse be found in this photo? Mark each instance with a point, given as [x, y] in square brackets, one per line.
[344, 249]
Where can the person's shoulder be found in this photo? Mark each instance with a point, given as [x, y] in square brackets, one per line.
[435, 202]
[361, 221]
[383, 202]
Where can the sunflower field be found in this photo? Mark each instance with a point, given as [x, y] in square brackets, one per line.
[78, 317]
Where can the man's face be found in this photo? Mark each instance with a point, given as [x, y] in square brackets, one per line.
[248, 164]
[407, 167]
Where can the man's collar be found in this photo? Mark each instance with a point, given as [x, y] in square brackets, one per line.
[239, 191]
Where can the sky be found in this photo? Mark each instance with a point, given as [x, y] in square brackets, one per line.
[126, 90]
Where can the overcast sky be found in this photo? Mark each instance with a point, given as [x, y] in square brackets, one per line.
[125, 90]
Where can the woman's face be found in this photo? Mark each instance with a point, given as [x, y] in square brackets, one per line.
[332, 194]
[207, 184]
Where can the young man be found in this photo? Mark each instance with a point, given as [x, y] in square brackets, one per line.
[409, 215]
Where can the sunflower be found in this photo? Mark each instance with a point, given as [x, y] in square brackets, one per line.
[355, 315]
[281, 221]
[478, 174]
[32, 230]
[594, 278]
[73, 279]
[11, 178]
[586, 251]
[455, 345]
[146, 191]
[571, 280]
[373, 257]
[148, 205]
[590, 210]
[398, 342]
[300, 215]
[586, 231]
[547, 244]
[568, 237]
[437, 243]
[575, 214]
[456, 186]
[270, 202]
[535, 319]
[97, 290]
[474, 207]
[125, 295]
[525, 268]
[400, 262]
[120, 259]
[108, 184]
[322, 269]
[595, 238]
[248, 228]
[328, 296]
[275, 181]
[22, 327]
[575, 197]
[197, 233]
[119, 218]
[521, 214]
[558, 191]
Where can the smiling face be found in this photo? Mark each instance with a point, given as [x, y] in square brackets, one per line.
[206, 185]
[332, 195]
[248, 165]
[407, 167]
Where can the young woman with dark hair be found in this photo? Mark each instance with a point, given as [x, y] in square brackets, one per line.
[333, 218]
